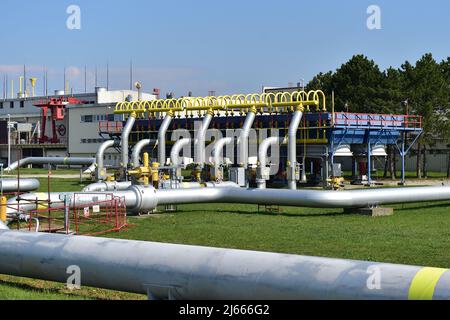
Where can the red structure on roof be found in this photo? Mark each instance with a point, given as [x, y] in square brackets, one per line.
[57, 107]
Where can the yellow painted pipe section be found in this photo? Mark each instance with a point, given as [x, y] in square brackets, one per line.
[424, 283]
[155, 172]
[3, 203]
[146, 160]
[265, 102]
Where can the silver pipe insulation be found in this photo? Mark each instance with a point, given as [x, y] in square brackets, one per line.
[145, 198]
[137, 150]
[172, 271]
[200, 139]
[162, 138]
[23, 185]
[176, 150]
[217, 150]
[292, 149]
[197, 185]
[305, 198]
[100, 171]
[107, 186]
[51, 160]
[243, 138]
[124, 139]
[262, 166]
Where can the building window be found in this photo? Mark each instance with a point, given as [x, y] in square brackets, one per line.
[1, 105]
[11, 104]
[86, 118]
[22, 104]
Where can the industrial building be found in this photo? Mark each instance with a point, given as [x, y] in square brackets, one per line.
[60, 125]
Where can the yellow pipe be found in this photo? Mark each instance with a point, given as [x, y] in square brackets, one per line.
[3, 203]
[271, 101]
[145, 159]
[155, 172]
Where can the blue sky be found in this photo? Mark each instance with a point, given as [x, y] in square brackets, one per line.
[229, 46]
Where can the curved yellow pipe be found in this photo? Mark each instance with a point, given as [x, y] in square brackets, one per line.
[265, 102]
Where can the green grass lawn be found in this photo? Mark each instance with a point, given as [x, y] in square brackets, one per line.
[408, 175]
[417, 234]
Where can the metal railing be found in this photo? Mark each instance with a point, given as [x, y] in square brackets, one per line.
[365, 120]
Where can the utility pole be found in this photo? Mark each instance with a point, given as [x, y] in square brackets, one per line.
[85, 79]
[9, 140]
[131, 74]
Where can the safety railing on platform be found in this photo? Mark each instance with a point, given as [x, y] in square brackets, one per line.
[364, 120]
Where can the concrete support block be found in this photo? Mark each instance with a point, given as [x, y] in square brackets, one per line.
[374, 212]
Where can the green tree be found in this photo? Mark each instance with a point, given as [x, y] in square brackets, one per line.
[425, 87]
[445, 113]
[358, 85]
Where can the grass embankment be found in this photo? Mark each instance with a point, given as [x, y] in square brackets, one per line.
[417, 234]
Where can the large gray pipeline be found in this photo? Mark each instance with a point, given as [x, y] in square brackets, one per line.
[107, 186]
[262, 175]
[292, 149]
[146, 198]
[200, 139]
[305, 198]
[137, 150]
[51, 160]
[23, 185]
[162, 138]
[170, 271]
[101, 172]
[124, 139]
[243, 138]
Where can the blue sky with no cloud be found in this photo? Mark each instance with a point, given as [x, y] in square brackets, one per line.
[228, 46]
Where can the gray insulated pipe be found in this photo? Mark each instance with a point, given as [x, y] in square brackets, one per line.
[262, 174]
[125, 138]
[107, 186]
[176, 150]
[243, 138]
[137, 150]
[23, 185]
[172, 271]
[146, 198]
[100, 156]
[162, 138]
[217, 152]
[292, 149]
[304, 198]
[51, 160]
[200, 139]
